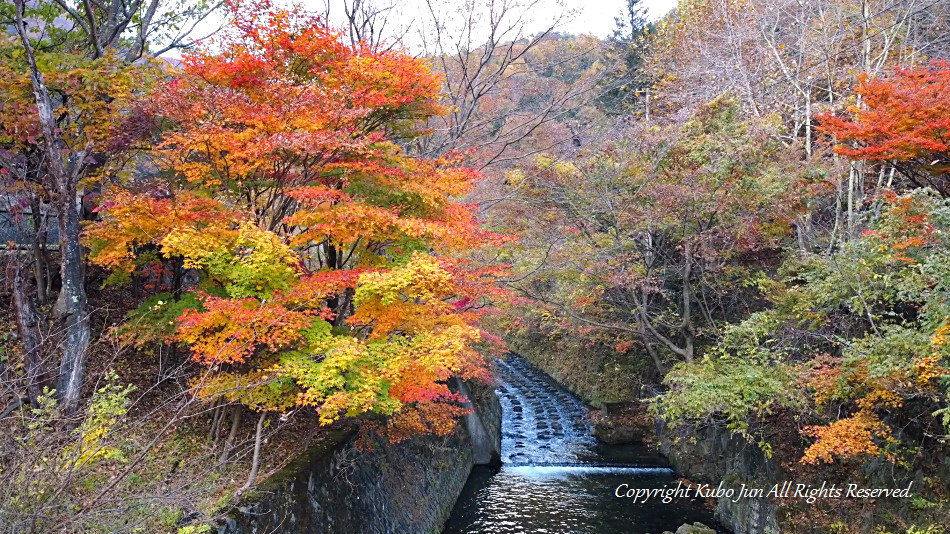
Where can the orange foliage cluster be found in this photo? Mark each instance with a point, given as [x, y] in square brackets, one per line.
[906, 117]
[861, 433]
[845, 438]
[320, 241]
[929, 371]
[131, 221]
[435, 419]
[232, 330]
[857, 434]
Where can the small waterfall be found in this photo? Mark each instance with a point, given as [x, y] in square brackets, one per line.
[541, 423]
[545, 428]
[555, 477]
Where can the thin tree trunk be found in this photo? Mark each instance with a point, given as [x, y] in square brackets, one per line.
[342, 310]
[228, 443]
[687, 325]
[38, 272]
[850, 204]
[27, 324]
[47, 262]
[646, 106]
[256, 462]
[837, 226]
[215, 421]
[651, 350]
[866, 35]
[800, 233]
[808, 114]
[38, 260]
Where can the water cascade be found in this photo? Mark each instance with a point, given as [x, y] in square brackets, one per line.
[556, 478]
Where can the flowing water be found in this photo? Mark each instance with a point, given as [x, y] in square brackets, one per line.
[556, 478]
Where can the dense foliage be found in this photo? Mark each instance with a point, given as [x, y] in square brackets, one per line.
[653, 238]
[314, 234]
[862, 330]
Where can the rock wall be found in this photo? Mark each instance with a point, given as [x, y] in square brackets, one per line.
[712, 455]
[406, 488]
[483, 425]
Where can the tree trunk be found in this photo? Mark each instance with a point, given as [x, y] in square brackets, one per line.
[651, 350]
[27, 324]
[65, 175]
[39, 260]
[689, 331]
[74, 307]
[343, 307]
[228, 443]
[256, 462]
[216, 418]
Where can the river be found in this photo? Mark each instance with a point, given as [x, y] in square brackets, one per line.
[556, 478]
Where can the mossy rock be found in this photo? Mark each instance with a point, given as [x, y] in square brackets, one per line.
[695, 528]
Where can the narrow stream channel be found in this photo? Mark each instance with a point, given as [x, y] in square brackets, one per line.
[556, 478]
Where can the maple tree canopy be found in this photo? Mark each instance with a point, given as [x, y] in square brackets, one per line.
[325, 250]
[905, 119]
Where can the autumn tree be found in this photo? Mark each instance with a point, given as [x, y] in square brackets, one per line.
[902, 121]
[325, 252]
[647, 237]
[85, 121]
[625, 87]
